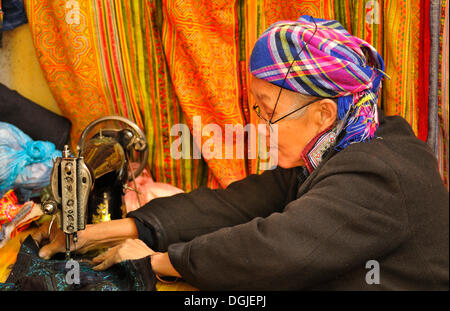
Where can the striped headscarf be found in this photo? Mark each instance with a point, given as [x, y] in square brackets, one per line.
[331, 64]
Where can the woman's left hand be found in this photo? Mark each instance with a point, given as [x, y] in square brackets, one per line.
[130, 249]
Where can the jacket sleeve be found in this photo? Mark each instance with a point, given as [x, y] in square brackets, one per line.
[346, 218]
[184, 216]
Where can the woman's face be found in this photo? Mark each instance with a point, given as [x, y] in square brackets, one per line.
[293, 134]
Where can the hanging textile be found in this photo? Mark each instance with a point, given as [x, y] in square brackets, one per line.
[162, 62]
[443, 113]
[105, 58]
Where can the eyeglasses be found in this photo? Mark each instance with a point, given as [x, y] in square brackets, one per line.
[257, 109]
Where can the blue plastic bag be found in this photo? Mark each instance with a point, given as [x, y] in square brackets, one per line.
[24, 164]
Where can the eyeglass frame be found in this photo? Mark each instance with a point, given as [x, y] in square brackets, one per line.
[256, 107]
[257, 110]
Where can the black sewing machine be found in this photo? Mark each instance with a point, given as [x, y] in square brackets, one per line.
[89, 187]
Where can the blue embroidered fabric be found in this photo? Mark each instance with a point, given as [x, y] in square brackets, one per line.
[33, 273]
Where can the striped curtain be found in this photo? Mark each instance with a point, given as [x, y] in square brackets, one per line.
[438, 85]
[163, 62]
[105, 57]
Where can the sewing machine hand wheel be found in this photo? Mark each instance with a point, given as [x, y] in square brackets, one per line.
[135, 137]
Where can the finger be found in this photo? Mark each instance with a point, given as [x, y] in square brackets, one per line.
[99, 258]
[102, 257]
[108, 262]
[47, 251]
[38, 236]
[41, 233]
[109, 253]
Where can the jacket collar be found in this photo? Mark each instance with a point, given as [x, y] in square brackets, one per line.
[318, 147]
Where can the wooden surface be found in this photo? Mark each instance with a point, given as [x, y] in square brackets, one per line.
[8, 256]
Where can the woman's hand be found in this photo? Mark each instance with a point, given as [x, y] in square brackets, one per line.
[105, 234]
[55, 242]
[130, 249]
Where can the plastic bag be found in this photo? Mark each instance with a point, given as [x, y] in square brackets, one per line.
[24, 164]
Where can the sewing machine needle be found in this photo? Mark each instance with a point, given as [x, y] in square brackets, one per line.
[68, 246]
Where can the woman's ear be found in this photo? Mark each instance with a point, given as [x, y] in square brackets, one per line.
[327, 112]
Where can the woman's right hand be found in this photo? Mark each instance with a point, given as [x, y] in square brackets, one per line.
[56, 241]
[94, 236]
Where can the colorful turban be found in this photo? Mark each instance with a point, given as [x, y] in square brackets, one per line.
[332, 64]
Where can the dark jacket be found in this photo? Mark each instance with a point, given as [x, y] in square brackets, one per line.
[383, 200]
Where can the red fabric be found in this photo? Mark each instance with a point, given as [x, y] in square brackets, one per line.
[424, 58]
[9, 207]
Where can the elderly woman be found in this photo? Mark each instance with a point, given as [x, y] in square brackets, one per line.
[353, 191]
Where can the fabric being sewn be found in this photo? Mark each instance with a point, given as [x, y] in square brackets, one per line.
[33, 273]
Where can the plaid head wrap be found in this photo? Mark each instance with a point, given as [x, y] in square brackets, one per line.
[332, 64]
